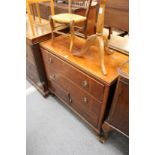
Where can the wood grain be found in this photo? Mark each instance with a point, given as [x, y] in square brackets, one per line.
[90, 63]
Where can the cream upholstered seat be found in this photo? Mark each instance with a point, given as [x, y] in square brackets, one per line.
[68, 17]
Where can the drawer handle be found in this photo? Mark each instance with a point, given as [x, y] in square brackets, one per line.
[52, 77]
[50, 61]
[85, 83]
[85, 100]
[69, 96]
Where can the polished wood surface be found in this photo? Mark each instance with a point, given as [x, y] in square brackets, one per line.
[67, 75]
[124, 70]
[34, 66]
[83, 81]
[90, 62]
[82, 102]
[117, 14]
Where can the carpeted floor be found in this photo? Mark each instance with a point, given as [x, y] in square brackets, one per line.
[52, 129]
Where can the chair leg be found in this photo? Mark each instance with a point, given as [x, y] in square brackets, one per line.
[52, 28]
[97, 41]
[101, 47]
[72, 36]
[91, 41]
[106, 46]
[85, 29]
[110, 32]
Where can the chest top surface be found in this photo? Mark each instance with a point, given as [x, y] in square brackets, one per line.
[90, 62]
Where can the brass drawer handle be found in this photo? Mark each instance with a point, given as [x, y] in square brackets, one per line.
[69, 97]
[52, 77]
[50, 61]
[85, 83]
[85, 100]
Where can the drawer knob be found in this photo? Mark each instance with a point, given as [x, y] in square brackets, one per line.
[85, 100]
[50, 61]
[52, 77]
[85, 83]
[69, 97]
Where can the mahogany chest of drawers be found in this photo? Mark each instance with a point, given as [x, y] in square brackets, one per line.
[78, 82]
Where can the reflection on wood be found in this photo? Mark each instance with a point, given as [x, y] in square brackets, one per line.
[90, 62]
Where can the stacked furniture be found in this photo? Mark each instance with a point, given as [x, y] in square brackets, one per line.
[101, 100]
[34, 67]
[45, 12]
[72, 20]
[79, 82]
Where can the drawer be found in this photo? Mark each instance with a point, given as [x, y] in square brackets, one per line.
[80, 100]
[59, 91]
[83, 81]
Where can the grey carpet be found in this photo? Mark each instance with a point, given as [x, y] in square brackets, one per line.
[52, 129]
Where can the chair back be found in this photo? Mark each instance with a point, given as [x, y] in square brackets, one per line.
[82, 4]
[36, 7]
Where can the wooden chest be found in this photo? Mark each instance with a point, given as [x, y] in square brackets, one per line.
[34, 65]
[78, 82]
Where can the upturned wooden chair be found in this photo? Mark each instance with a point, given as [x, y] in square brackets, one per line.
[98, 40]
[28, 3]
[71, 20]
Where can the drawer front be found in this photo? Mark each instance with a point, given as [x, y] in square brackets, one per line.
[59, 91]
[81, 101]
[83, 81]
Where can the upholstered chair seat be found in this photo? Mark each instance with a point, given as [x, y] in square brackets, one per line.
[66, 18]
